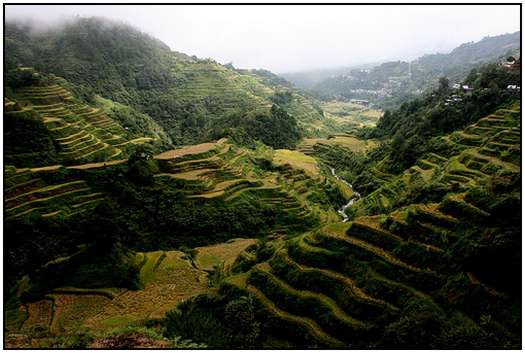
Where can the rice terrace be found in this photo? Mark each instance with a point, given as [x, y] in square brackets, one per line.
[162, 192]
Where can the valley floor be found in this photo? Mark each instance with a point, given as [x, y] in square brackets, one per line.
[168, 277]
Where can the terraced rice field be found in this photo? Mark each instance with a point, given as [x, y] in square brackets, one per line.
[214, 171]
[352, 143]
[346, 112]
[345, 140]
[169, 277]
[297, 160]
[225, 172]
[226, 90]
[83, 134]
[210, 256]
[333, 285]
[489, 145]
[187, 151]
[310, 282]
[28, 193]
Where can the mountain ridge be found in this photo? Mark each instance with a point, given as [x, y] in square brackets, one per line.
[185, 95]
[395, 81]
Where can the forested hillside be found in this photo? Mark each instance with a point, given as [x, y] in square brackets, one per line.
[192, 99]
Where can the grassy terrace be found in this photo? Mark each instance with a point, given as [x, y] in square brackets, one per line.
[222, 92]
[337, 286]
[355, 113]
[221, 171]
[346, 140]
[297, 160]
[356, 275]
[168, 277]
[311, 332]
[488, 146]
[323, 301]
[217, 170]
[224, 254]
[28, 193]
[83, 134]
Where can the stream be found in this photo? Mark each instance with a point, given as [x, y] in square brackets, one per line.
[355, 196]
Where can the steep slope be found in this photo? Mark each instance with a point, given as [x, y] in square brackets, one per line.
[76, 133]
[191, 98]
[116, 238]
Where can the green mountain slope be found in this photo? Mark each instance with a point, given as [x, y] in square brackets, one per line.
[191, 98]
[101, 218]
[70, 131]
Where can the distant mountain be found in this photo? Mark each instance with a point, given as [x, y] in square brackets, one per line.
[486, 50]
[308, 79]
[392, 82]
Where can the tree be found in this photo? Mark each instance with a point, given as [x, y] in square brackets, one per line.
[139, 168]
[278, 129]
[444, 85]
[239, 315]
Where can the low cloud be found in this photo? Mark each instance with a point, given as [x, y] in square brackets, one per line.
[294, 38]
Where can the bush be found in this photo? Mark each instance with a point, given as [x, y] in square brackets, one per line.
[198, 319]
[243, 328]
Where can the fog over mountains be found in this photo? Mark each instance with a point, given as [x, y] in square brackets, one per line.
[292, 38]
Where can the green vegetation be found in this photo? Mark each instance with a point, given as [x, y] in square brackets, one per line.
[193, 100]
[46, 118]
[415, 129]
[157, 200]
[36, 150]
[354, 115]
[426, 260]
[144, 197]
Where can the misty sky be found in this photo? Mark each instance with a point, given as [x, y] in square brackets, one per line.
[293, 38]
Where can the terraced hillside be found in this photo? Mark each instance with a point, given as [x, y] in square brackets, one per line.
[346, 140]
[424, 270]
[489, 148]
[222, 88]
[347, 154]
[228, 174]
[218, 171]
[192, 99]
[221, 183]
[421, 270]
[355, 115]
[45, 192]
[224, 92]
[80, 133]
[152, 197]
